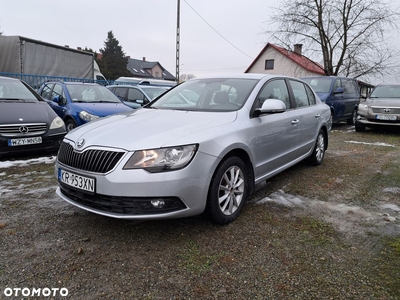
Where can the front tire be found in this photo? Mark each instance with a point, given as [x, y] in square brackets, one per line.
[352, 120]
[70, 124]
[318, 153]
[228, 191]
[359, 127]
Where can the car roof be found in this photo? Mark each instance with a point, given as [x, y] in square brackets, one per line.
[9, 78]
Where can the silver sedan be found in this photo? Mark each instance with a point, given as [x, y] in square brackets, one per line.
[177, 158]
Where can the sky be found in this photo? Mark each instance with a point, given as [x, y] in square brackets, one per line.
[216, 36]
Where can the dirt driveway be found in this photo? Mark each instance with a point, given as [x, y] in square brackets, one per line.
[327, 232]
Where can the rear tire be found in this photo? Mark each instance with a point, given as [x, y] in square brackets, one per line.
[228, 191]
[318, 153]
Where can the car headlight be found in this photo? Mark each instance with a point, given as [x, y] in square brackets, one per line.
[162, 159]
[56, 123]
[87, 117]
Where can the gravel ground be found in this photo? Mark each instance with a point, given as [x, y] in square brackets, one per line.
[327, 232]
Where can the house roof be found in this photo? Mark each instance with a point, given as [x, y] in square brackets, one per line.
[139, 68]
[300, 60]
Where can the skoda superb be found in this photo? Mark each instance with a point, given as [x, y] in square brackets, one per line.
[178, 158]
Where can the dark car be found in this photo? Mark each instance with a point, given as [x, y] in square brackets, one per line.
[342, 94]
[27, 122]
[381, 108]
[78, 103]
[136, 96]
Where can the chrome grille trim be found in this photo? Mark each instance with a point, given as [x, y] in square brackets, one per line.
[13, 130]
[91, 160]
[380, 110]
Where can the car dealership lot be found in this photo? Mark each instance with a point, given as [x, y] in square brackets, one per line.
[325, 232]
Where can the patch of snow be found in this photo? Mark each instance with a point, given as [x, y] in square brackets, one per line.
[393, 190]
[391, 206]
[372, 144]
[24, 163]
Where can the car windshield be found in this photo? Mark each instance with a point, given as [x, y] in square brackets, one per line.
[319, 85]
[222, 94]
[386, 91]
[91, 93]
[154, 92]
[15, 90]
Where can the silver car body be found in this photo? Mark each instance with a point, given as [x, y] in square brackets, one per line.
[381, 108]
[270, 142]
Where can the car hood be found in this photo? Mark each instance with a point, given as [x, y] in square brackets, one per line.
[389, 102]
[102, 109]
[25, 112]
[150, 128]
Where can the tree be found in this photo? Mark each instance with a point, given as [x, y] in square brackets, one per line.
[350, 34]
[185, 77]
[113, 62]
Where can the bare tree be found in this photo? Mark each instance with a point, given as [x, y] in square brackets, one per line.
[351, 35]
[185, 77]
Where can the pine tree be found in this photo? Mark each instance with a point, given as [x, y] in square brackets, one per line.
[113, 63]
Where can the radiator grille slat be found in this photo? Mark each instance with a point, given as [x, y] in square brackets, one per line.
[92, 160]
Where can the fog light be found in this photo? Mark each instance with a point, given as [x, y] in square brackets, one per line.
[158, 203]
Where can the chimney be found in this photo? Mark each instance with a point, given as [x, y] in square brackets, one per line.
[144, 58]
[66, 46]
[297, 48]
[128, 57]
[79, 48]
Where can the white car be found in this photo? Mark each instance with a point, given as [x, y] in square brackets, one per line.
[175, 158]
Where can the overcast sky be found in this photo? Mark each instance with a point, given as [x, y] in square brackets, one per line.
[216, 36]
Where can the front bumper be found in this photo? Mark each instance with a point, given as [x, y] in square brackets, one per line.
[129, 194]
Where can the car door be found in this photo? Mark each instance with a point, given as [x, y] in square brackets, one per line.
[275, 134]
[308, 115]
[60, 107]
[351, 96]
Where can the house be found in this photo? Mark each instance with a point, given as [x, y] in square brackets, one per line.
[148, 70]
[277, 60]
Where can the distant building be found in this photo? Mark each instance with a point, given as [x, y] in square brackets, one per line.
[277, 60]
[147, 70]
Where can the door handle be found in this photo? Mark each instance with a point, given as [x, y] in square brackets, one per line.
[294, 122]
[317, 116]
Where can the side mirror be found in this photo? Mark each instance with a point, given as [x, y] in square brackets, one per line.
[271, 106]
[57, 99]
[339, 90]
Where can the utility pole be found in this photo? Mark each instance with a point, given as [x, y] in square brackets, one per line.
[177, 41]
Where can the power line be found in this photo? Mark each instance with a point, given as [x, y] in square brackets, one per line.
[217, 31]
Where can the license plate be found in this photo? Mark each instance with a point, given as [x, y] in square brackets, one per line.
[25, 141]
[76, 181]
[386, 118]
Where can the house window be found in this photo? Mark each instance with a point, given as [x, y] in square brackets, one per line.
[269, 64]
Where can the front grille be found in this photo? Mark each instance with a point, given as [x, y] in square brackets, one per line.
[92, 160]
[22, 130]
[381, 110]
[122, 205]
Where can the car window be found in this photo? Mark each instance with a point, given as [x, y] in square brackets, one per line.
[224, 94]
[120, 92]
[319, 85]
[135, 94]
[46, 91]
[58, 91]
[350, 86]
[310, 95]
[338, 84]
[300, 93]
[275, 89]
[91, 93]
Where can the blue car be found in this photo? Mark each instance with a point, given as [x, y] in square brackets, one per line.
[342, 94]
[78, 103]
